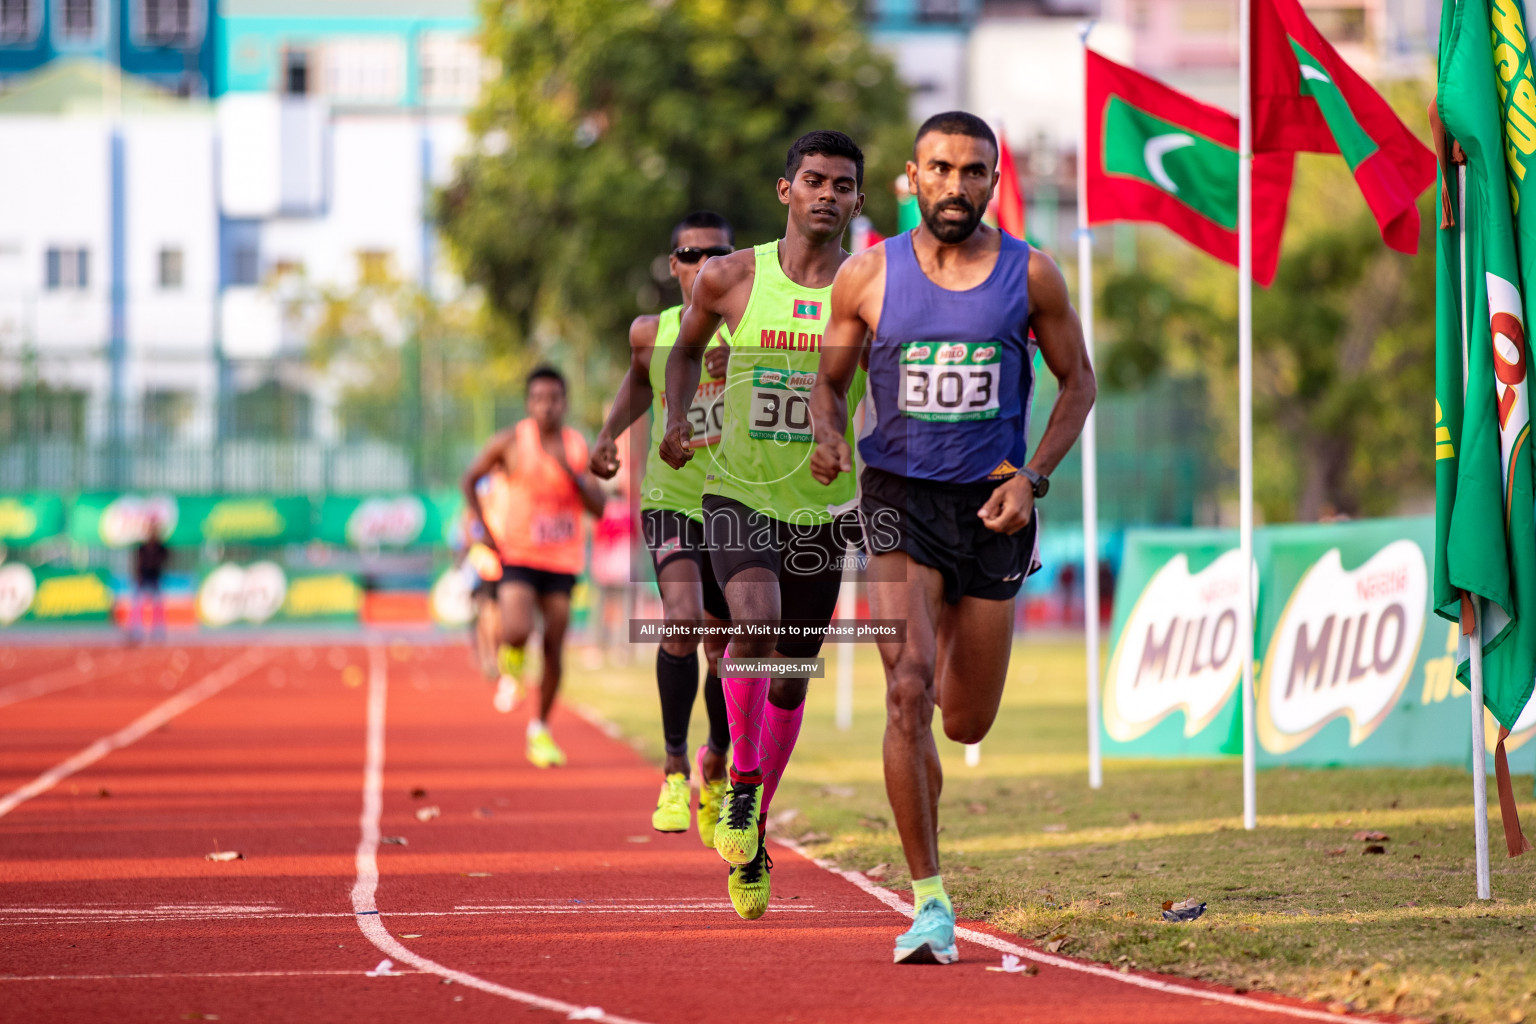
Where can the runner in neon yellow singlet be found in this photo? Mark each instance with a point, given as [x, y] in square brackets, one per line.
[673, 520]
[777, 538]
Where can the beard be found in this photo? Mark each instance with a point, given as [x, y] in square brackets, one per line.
[947, 231]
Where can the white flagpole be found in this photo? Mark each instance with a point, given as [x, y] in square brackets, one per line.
[1475, 640]
[1245, 394]
[1090, 444]
[1479, 756]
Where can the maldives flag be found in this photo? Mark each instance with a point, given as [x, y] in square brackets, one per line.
[1154, 154]
[1306, 99]
[1008, 201]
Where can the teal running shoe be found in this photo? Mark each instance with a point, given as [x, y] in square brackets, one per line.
[931, 939]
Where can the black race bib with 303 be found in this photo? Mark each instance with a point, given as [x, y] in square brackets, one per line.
[781, 404]
[950, 381]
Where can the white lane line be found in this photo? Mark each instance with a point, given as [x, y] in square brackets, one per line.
[54, 681]
[364, 890]
[901, 906]
[150, 917]
[222, 677]
[204, 974]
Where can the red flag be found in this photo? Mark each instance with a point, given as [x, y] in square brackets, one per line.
[1306, 99]
[1008, 201]
[1154, 154]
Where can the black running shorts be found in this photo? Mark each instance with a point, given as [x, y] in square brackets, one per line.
[808, 560]
[670, 534]
[542, 581]
[936, 524]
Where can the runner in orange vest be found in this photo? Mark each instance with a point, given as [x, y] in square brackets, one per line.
[532, 509]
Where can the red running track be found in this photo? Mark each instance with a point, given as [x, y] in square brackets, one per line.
[533, 896]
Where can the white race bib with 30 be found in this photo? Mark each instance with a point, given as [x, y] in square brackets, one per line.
[781, 404]
[949, 381]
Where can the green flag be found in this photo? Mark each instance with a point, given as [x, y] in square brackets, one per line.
[1484, 483]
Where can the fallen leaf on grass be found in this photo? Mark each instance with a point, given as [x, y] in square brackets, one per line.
[814, 837]
[223, 855]
[428, 813]
[1056, 943]
[976, 807]
[1374, 848]
[1338, 851]
[1339, 1008]
[1184, 910]
[838, 791]
[1371, 837]
[1012, 965]
[878, 872]
[969, 869]
[1054, 827]
[394, 841]
[877, 824]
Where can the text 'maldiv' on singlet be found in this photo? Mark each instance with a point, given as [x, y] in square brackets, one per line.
[535, 512]
[663, 486]
[763, 459]
[951, 373]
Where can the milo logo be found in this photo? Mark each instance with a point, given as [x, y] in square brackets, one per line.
[917, 353]
[951, 354]
[126, 520]
[801, 381]
[984, 354]
[233, 593]
[17, 589]
[379, 522]
[771, 377]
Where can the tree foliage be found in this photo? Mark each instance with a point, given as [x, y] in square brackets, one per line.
[611, 119]
[1343, 350]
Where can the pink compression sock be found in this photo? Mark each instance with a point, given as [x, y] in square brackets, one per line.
[744, 700]
[781, 729]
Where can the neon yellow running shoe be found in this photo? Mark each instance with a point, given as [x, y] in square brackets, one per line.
[671, 814]
[736, 836]
[542, 751]
[711, 796]
[748, 885]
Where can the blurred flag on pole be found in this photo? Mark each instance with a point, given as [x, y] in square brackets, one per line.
[1485, 526]
[1008, 200]
[1154, 154]
[1306, 99]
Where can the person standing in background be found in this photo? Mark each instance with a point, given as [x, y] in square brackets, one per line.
[150, 557]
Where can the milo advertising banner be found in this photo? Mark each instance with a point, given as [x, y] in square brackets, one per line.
[1352, 668]
[263, 593]
[29, 518]
[1170, 689]
[119, 520]
[390, 521]
[47, 595]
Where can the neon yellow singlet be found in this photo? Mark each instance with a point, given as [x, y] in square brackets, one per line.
[663, 486]
[764, 455]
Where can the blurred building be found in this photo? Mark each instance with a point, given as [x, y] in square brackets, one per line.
[180, 181]
[927, 40]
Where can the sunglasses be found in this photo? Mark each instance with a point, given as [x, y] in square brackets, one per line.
[692, 254]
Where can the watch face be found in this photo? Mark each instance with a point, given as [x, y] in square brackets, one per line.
[1042, 486]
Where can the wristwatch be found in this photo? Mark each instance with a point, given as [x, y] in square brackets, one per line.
[1041, 485]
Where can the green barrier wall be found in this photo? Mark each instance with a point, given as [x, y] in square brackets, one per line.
[47, 595]
[1352, 667]
[118, 520]
[264, 593]
[29, 518]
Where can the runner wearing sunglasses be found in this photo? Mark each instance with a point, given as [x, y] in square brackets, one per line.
[775, 538]
[674, 531]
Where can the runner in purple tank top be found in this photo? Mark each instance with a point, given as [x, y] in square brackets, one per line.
[943, 316]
